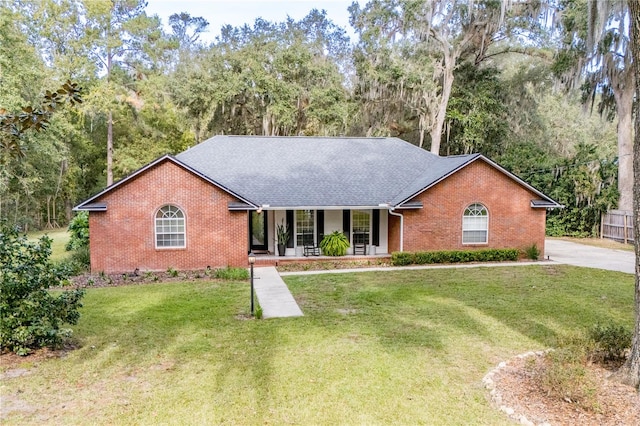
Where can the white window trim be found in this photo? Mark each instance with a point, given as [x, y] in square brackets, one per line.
[486, 230]
[295, 219]
[370, 213]
[155, 229]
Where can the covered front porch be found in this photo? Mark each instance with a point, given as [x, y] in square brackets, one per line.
[365, 228]
[322, 262]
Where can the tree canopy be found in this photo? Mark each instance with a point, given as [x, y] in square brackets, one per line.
[452, 76]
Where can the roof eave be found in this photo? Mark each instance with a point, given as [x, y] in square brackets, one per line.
[537, 204]
[95, 207]
[321, 207]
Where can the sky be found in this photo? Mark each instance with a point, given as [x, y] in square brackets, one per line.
[239, 12]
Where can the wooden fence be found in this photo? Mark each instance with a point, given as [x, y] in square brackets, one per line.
[617, 225]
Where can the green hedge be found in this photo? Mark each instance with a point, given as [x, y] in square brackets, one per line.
[457, 256]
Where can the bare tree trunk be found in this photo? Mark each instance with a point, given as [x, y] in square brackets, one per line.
[447, 84]
[624, 106]
[630, 372]
[48, 226]
[109, 148]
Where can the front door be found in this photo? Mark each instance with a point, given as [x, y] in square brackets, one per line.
[258, 231]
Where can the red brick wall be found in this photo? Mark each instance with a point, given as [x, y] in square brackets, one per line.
[394, 233]
[123, 239]
[438, 226]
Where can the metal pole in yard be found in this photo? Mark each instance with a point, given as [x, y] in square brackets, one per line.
[252, 260]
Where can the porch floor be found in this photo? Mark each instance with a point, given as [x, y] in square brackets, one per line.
[268, 259]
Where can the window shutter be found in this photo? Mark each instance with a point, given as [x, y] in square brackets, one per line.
[319, 225]
[291, 227]
[375, 225]
[346, 223]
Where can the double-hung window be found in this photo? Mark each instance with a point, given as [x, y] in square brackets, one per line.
[304, 227]
[170, 227]
[475, 224]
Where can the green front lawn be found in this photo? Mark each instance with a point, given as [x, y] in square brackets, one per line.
[407, 347]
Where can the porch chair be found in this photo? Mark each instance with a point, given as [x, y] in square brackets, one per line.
[360, 241]
[310, 247]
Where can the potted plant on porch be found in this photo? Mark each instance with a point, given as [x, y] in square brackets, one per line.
[282, 237]
[334, 244]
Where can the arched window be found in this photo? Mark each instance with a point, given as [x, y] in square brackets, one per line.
[170, 229]
[475, 224]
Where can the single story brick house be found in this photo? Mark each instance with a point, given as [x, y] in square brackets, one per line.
[219, 200]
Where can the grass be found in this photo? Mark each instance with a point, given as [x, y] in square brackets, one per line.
[405, 347]
[60, 237]
[597, 242]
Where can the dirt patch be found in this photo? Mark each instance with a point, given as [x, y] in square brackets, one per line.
[11, 363]
[141, 277]
[515, 389]
[11, 404]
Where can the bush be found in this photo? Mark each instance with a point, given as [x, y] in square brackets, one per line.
[566, 378]
[459, 256]
[30, 315]
[334, 244]
[228, 273]
[79, 243]
[532, 252]
[79, 231]
[610, 342]
[403, 258]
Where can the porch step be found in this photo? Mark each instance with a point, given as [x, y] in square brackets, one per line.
[273, 294]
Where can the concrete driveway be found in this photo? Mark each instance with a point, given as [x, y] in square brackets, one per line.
[588, 256]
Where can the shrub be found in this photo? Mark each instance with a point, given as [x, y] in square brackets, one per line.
[77, 263]
[532, 252]
[334, 244]
[402, 258]
[228, 273]
[457, 256]
[79, 243]
[30, 315]
[565, 377]
[610, 342]
[79, 231]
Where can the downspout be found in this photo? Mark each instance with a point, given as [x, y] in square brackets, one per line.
[401, 226]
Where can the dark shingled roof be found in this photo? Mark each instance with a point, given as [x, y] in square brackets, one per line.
[319, 171]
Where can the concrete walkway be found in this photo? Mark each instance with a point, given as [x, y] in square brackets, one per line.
[590, 257]
[273, 294]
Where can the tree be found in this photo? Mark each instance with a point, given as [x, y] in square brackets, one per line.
[30, 315]
[187, 29]
[449, 31]
[630, 372]
[121, 35]
[597, 44]
[13, 125]
[269, 79]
